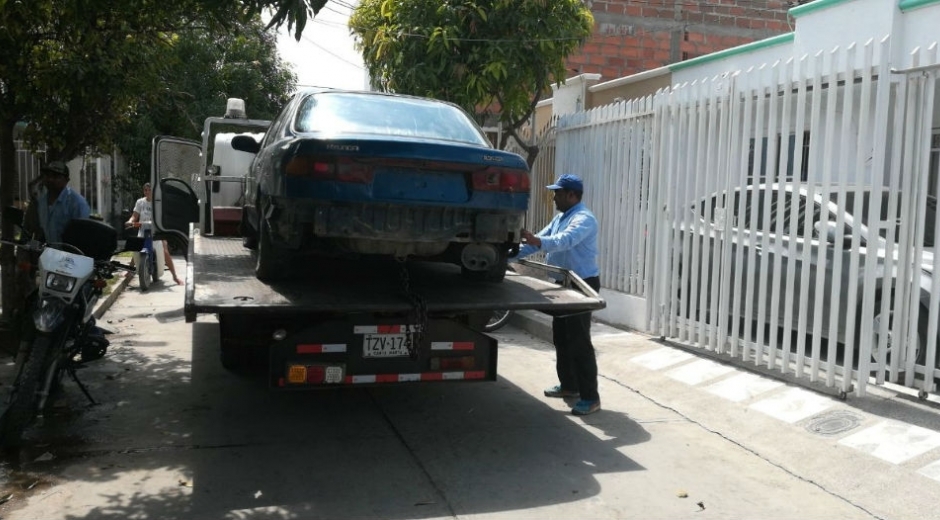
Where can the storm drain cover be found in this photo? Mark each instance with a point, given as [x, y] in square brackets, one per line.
[833, 422]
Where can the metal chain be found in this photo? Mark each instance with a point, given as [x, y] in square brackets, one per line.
[414, 336]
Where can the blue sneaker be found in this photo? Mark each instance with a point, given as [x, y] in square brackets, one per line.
[558, 391]
[583, 407]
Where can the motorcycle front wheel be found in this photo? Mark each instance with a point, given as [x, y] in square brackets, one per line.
[25, 398]
[143, 270]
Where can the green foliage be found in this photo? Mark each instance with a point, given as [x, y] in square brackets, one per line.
[78, 72]
[292, 12]
[488, 56]
[200, 70]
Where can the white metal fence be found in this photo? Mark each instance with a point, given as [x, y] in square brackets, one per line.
[783, 216]
[91, 176]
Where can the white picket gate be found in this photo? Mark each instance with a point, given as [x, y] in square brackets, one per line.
[783, 216]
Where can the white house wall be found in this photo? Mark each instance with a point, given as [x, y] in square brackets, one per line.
[917, 28]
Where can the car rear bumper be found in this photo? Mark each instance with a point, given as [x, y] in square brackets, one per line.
[294, 222]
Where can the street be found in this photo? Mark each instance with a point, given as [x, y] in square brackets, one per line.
[176, 436]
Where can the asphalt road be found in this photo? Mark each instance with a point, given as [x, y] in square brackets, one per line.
[176, 436]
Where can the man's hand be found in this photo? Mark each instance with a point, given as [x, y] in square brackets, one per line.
[531, 239]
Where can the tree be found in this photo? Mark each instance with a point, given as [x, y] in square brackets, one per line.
[292, 12]
[484, 55]
[75, 71]
[201, 69]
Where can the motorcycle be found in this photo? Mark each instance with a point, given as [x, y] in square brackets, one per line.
[148, 256]
[58, 331]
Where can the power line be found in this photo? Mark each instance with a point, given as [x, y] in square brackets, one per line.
[331, 53]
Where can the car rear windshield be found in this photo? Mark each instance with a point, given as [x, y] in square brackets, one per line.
[338, 113]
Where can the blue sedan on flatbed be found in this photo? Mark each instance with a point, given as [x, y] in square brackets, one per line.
[345, 174]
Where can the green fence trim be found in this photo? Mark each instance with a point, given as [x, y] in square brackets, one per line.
[740, 49]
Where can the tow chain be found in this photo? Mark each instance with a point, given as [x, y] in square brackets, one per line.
[414, 335]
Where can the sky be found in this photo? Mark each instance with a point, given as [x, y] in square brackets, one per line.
[325, 56]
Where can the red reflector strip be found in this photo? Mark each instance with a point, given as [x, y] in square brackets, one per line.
[321, 348]
[406, 378]
[384, 329]
[451, 345]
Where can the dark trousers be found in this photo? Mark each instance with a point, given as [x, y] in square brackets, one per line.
[575, 361]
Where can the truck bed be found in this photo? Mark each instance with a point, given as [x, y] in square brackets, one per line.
[221, 279]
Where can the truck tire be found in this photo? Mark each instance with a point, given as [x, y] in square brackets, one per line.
[272, 262]
[234, 357]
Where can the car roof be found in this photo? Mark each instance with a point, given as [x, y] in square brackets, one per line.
[305, 91]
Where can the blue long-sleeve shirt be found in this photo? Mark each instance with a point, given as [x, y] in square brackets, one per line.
[569, 241]
[54, 217]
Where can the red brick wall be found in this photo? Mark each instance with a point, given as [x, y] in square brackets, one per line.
[632, 36]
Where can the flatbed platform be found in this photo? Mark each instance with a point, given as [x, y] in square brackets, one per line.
[221, 279]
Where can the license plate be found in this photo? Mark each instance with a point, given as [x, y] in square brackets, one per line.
[384, 345]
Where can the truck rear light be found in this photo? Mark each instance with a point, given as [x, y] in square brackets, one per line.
[501, 179]
[316, 374]
[452, 363]
[298, 374]
[340, 169]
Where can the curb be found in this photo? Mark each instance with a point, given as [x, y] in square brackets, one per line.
[115, 292]
[536, 323]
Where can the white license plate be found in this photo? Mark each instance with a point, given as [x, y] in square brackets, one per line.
[384, 345]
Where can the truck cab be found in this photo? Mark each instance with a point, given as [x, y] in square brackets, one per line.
[203, 182]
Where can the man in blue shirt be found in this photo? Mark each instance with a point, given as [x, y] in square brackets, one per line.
[56, 203]
[570, 241]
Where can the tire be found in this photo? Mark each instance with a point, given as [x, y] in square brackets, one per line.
[143, 271]
[272, 261]
[497, 320]
[234, 358]
[249, 240]
[22, 409]
[494, 274]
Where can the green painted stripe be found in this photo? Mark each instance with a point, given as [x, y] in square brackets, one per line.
[908, 5]
[800, 10]
[740, 49]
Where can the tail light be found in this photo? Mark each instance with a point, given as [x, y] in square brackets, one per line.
[327, 168]
[452, 363]
[298, 374]
[501, 179]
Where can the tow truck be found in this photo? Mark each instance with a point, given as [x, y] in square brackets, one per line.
[371, 321]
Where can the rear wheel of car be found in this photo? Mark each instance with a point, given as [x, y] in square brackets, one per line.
[494, 274]
[272, 260]
[249, 238]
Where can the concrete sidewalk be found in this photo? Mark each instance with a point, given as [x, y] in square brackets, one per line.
[880, 452]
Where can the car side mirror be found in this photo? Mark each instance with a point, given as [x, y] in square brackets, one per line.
[245, 143]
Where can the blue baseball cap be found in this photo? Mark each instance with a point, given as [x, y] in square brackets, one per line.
[568, 181]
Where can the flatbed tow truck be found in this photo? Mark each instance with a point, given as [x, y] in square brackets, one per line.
[338, 322]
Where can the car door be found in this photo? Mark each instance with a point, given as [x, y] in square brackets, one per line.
[175, 162]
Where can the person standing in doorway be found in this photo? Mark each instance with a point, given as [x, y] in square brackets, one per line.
[143, 212]
[570, 242]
